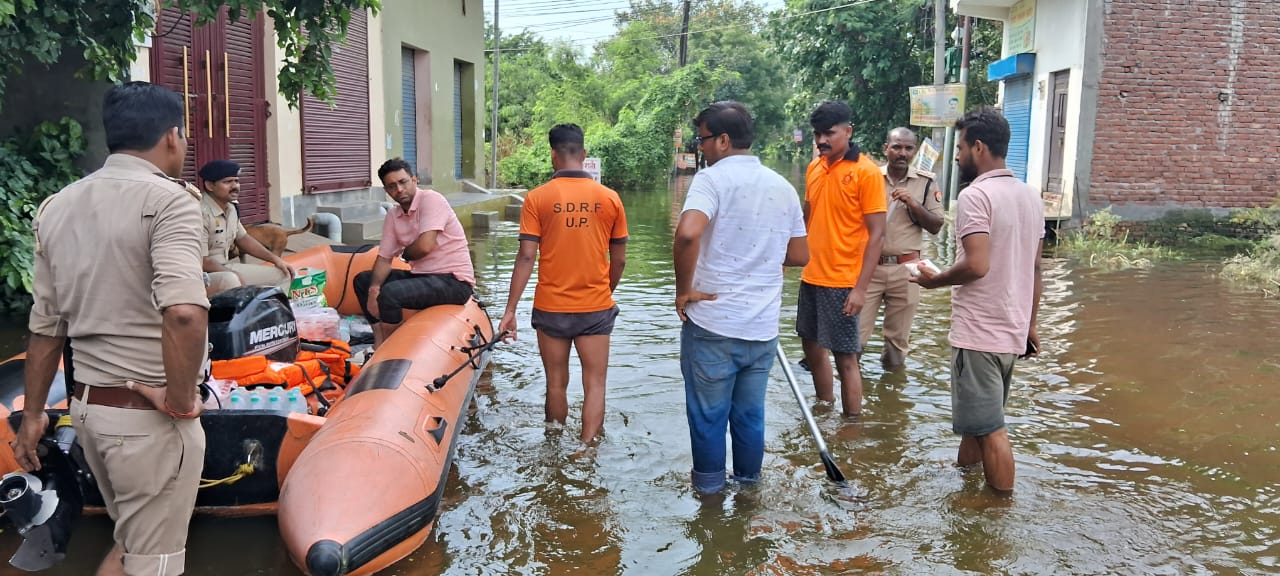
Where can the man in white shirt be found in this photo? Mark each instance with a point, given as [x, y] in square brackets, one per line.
[741, 224]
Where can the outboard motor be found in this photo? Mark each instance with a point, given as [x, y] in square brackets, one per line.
[252, 321]
[44, 506]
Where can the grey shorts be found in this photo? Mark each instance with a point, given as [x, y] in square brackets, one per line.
[820, 316]
[570, 325]
[979, 389]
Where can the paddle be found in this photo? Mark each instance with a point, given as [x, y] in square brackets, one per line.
[833, 471]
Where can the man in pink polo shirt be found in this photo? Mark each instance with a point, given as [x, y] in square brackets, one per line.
[423, 231]
[995, 294]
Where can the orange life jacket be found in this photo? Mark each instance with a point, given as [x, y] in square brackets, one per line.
[336, 355]
[323, 365]
[259, 371]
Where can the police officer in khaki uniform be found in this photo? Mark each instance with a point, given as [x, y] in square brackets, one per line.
[915, 205]
[221, 186]
[117, 271]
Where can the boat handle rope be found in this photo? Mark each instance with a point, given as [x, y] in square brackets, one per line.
[477, 348]
[243, 470]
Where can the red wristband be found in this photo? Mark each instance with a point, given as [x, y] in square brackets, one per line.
[176, 414]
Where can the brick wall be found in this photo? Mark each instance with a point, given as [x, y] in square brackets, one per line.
[1188, 104]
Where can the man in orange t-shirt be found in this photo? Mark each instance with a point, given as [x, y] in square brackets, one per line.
[845, 209]
[576, 230]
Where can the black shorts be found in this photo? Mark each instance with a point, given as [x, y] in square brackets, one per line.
[820, 316]
[570, 325]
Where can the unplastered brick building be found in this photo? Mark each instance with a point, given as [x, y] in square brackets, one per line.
[1140, 105]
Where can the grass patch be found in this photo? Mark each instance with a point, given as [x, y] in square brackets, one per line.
[1102, 244]
[1260, 269]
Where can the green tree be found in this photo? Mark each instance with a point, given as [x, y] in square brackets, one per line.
[40, 162]
[869, 55]
[724, 35]
[862, 54]
[984, 48]
[106, 30]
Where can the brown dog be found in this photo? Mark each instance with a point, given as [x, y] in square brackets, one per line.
[273, 236]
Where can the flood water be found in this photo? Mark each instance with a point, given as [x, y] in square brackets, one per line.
[1145, 436]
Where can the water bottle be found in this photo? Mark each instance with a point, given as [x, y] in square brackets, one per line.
[275, 400]
[296, 403]
[344, 330]
[255, 402]
[237, 400]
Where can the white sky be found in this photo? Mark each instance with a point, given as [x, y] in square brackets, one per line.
[582, 22]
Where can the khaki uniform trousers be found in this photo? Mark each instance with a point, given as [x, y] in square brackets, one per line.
[254, 274]
[891, 285]
[147, 465]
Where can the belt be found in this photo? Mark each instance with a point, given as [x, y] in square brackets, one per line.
[900, 259]
[115, 397]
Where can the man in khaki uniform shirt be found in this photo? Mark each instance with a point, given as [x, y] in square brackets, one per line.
[220, 180]
[117, 271]
[915, 205]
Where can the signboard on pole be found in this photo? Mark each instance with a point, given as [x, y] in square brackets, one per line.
[1022, 27]
[937, 106]
[797, 135]
[927, 155]
[592, 167]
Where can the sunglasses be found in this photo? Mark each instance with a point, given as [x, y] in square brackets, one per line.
[698, 140]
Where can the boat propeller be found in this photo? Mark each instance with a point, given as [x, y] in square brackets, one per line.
[43, 506]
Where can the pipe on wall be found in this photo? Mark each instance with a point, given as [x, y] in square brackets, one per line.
[332, 225]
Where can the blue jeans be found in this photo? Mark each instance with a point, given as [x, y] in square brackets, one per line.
[724, 384]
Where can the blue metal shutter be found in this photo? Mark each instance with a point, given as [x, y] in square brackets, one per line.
[1017, 110]
[409, 107]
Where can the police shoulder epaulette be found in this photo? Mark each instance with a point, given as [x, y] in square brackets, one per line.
[926, 174]
[189, 187]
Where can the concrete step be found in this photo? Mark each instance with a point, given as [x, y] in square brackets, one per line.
[356, 230]
[352, 210]
[483, 220]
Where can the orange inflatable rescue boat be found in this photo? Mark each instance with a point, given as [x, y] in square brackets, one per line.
[391, 431]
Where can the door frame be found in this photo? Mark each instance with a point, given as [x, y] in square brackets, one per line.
[1049, 128]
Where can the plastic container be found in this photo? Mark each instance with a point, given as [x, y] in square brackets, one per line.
[358, 330]
[255, 402]
[344, 330]
[318, 323]
[237, 400]
[275, 400]
[926, 264]
[296, 403]
[219, 393]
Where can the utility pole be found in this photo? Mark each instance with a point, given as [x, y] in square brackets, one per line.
[939, 55]
[684, 35]
[493, 130]
[964, 79]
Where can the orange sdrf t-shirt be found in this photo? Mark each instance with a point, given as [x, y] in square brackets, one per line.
[574, 219]
[839, 197]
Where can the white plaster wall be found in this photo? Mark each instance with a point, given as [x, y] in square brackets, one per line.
[377, 101]
[140, 70]
[1059, 45]
[284, 130]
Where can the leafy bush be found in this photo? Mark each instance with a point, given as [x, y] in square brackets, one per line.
[634, 150]
[1102, 243]
[527, 166]
[1259, 269]
[31, 168]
